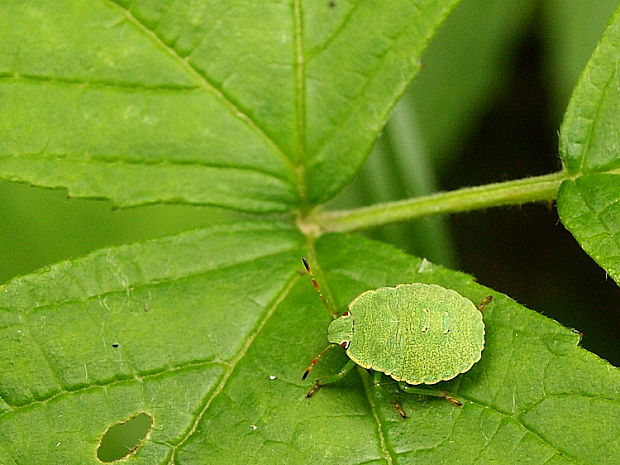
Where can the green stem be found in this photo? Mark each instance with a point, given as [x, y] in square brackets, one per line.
[535, 189]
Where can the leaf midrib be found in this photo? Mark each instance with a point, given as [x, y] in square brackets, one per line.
[388, 452]
[300, 100]
[597, 111]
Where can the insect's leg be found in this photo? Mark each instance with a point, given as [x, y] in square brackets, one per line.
[376, 381]
[429, 391]
[316, 359]
[399, 408]
[331, 379]
[485, 302]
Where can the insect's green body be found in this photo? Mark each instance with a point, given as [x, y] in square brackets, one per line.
[417, 333]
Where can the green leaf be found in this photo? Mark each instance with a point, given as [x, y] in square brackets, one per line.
[589, 142]
[202, 102]
[213, 350]
[590, 208]
[143, 328]
[590, 133]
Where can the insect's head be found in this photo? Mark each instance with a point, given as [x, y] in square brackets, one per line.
[340, 331]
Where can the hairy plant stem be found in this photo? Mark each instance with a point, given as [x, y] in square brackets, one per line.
[534, 189]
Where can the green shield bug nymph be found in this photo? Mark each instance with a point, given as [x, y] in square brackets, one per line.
[418, 334]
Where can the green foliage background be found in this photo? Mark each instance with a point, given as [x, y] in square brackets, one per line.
[213, 373]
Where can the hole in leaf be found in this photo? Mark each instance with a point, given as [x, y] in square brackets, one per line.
[124, 438]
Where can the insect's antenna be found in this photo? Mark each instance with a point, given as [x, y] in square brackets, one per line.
[316, 359]
[316, 286]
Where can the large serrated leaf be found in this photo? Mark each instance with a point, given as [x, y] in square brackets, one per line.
[258, 107]
[136, 328]
[213, 349]
[590, 144]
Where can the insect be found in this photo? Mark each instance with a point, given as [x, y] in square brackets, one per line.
[418, 334]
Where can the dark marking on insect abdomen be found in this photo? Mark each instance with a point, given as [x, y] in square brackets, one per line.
[431, 322]
[445, 323]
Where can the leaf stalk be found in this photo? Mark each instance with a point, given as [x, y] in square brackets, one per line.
[533, 189]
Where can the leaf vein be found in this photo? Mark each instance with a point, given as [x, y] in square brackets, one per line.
[152, 282]
[118, 160]
[388, 453]
[342, 121]
[270, 310]
[204, 81]
[137, 377]
[597, 111]
[321, 47]
[300, 98]
[517, 420]
[97, 83]
[597, 215]
[53, 369]
[487, 440]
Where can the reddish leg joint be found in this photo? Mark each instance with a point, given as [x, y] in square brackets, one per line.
[452, 400]
[315, 388]
[310, 367]
[485, 302]
[399, 408]
[316, 359]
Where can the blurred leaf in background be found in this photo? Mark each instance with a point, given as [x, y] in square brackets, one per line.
[42, 226]
[570, 31]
